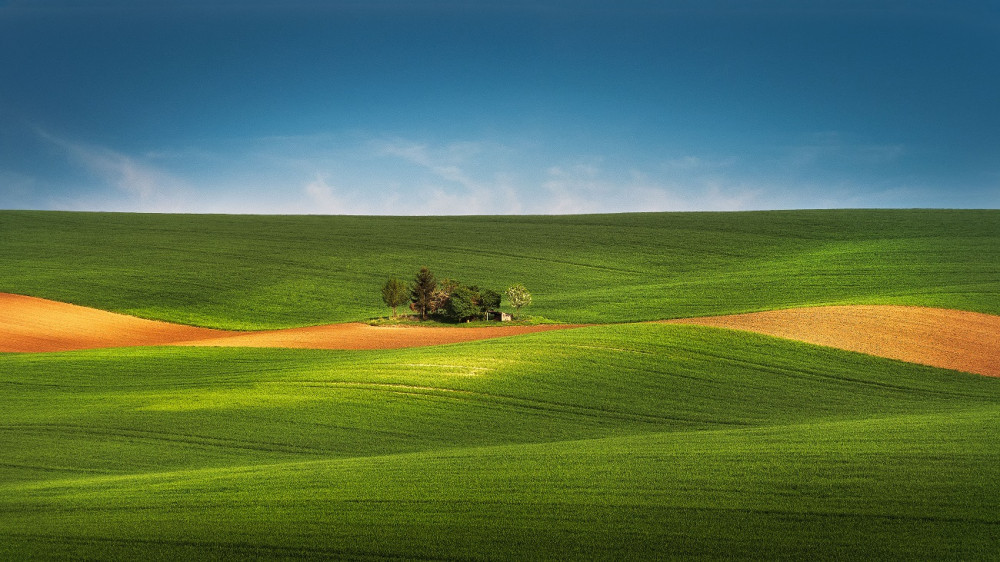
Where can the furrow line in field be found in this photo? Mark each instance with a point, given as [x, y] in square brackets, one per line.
[528, 403]
[244, 549]
[178, 438]
[493, 253]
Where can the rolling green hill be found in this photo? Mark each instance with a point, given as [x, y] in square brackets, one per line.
[243, 272]
[640, 440]
[616, 442]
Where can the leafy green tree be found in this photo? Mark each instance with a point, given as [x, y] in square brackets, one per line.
[489, 300]
[463, 304]
[439, 297]
[518, 296]
[395, 293]
[422, 291]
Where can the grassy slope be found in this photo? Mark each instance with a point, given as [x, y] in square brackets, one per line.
[918, 487]
[642, 440]
[646, 440]
[266, 272]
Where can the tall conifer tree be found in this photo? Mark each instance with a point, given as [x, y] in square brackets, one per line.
[422, 291]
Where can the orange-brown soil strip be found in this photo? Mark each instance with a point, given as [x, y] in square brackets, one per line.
[30, 324]
[363, 336]
[952, 339]
[33, 324]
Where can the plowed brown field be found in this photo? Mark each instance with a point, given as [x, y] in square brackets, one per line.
[33, 324]
[952, 339]
[29, 324]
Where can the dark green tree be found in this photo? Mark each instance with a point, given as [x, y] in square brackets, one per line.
[463, 304]
[489, 300]
[395, 293]
[422, 291]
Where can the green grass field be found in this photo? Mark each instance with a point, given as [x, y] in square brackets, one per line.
[607, 442]
[244, 272]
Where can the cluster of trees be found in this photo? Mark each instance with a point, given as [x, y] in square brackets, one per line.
[449, 299]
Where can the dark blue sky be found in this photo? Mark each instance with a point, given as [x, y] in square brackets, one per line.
[447, 107]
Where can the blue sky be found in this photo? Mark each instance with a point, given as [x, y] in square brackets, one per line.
[470, 107]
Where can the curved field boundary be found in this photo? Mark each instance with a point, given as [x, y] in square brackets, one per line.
[363, 336]
[30, 324]
[951, 339]
[34, 324]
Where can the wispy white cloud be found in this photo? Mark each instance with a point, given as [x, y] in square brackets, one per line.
[576, 189]
[351, 174]
[464, 178]
[322, 197]
[325, 197]
[444, 162]
[457, 181]
[142, 187]
[588, 188]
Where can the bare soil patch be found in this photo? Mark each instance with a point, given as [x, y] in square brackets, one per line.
[30, 324]
[952, 339]
[363, 336]
[34, 324]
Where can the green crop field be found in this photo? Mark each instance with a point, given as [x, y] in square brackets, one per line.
[617, 441]
[259, 272]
